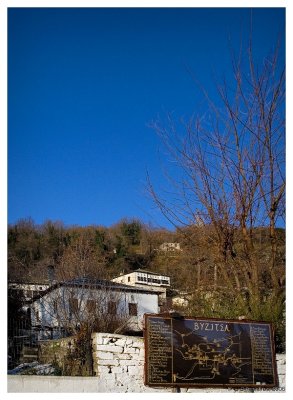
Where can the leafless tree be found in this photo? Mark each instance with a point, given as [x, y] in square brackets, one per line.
[81, 258]
[79, 308]
[77, 304]
[230, 183]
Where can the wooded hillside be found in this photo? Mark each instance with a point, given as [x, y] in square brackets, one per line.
[104, 252]
[101, 252]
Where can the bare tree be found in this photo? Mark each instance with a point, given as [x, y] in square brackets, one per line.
[72, 305]
[78, 305]
[81, 257]
[230, 183]
[78, 308]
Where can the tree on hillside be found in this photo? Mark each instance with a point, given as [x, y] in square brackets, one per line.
[31, 248]
[130, 248]
[24, 249]
[231, 179]
[131, 230]
[83, 256]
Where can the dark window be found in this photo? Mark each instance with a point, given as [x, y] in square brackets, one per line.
[132, 307]
[73, 305]
[112, 308]
[91, 306]
[129, 279]
[55, 306]
[37, 315]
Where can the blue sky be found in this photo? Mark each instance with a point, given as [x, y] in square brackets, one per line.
[83, 86]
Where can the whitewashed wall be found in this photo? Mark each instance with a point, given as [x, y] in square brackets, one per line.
[53, 308]
[119, 363]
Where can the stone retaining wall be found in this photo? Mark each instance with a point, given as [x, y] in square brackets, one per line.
[54, 351]
[118, 366]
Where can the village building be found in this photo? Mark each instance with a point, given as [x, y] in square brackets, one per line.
[72, 302]
[142, 278]
[31, 286]
[170, 247]
[27, 291]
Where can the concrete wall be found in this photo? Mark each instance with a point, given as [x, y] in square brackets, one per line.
[119, 367]
[52, 384]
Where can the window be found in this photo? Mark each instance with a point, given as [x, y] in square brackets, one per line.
[37, 314]
[73, 305]
[128, 279]
[55, 306]
[91, 306]
[132, 307]
[112, 307]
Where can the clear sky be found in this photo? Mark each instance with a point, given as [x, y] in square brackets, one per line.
[83, 86]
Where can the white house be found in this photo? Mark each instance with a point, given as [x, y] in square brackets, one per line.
[170, 247]
[143, 278]
[71, 302]
[151, 281]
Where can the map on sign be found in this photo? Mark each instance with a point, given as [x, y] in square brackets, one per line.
[191, 352]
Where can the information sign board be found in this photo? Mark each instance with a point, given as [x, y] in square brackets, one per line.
[208, 352]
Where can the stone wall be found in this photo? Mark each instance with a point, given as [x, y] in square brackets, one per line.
[281, 368]
[126, 372]
[61, 353]
[119, 365]
[54, 351]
